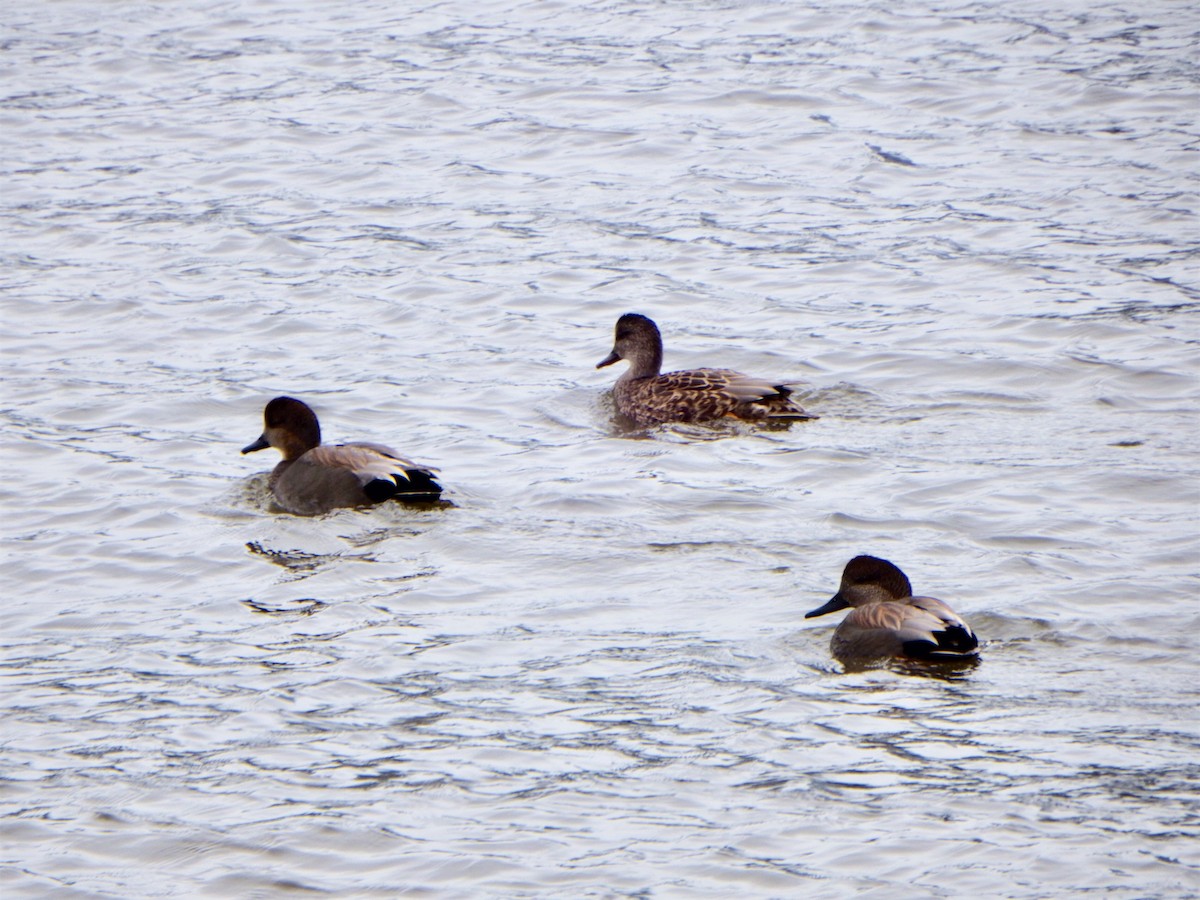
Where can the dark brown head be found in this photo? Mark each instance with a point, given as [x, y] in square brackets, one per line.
[290, 427]
[639, 342]
[866, 579]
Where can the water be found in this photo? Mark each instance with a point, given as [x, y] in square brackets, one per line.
[969, 229]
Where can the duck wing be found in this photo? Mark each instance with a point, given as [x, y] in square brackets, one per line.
[697, 395]
[384, 473]
[951, 635]
[749, 396]
[333, 476]
[920, 627]
[385, 451]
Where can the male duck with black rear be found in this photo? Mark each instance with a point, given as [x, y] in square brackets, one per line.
[648, 397]
[888, 621]
[313, 478]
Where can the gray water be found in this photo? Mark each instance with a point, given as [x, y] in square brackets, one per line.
[969, 230]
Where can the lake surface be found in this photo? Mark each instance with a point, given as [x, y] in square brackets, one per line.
[969, 231]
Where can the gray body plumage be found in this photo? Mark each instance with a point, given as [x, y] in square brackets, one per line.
[886, 620]
[314, 478]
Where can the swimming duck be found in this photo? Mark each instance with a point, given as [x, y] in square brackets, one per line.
[313, 479]
[647, 397]
[887, 620]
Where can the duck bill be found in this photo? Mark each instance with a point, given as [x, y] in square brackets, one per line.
[261, 444]
[608, 360]
[836, 602]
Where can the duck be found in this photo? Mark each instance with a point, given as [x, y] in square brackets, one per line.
[314, 478]
[887, 621]
[646, 396]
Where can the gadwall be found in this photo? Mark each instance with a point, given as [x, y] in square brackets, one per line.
[887, 620]
[313, 479]
[647, 397]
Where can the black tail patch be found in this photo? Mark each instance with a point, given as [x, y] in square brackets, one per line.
[955, 640]
[379, 489]
[419, 484]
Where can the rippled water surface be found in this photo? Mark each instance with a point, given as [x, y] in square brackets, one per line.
[967, 229]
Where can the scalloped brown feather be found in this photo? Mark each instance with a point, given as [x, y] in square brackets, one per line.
[647, 397]
[698, 395]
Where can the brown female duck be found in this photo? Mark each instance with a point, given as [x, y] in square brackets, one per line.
[313, 478]
[647, 397]
[888, 621]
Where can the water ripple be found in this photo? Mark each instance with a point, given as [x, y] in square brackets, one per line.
[967, 234]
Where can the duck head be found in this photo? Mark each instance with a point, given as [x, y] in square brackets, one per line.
[290, 426]
[638, 341]
[866, 579]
